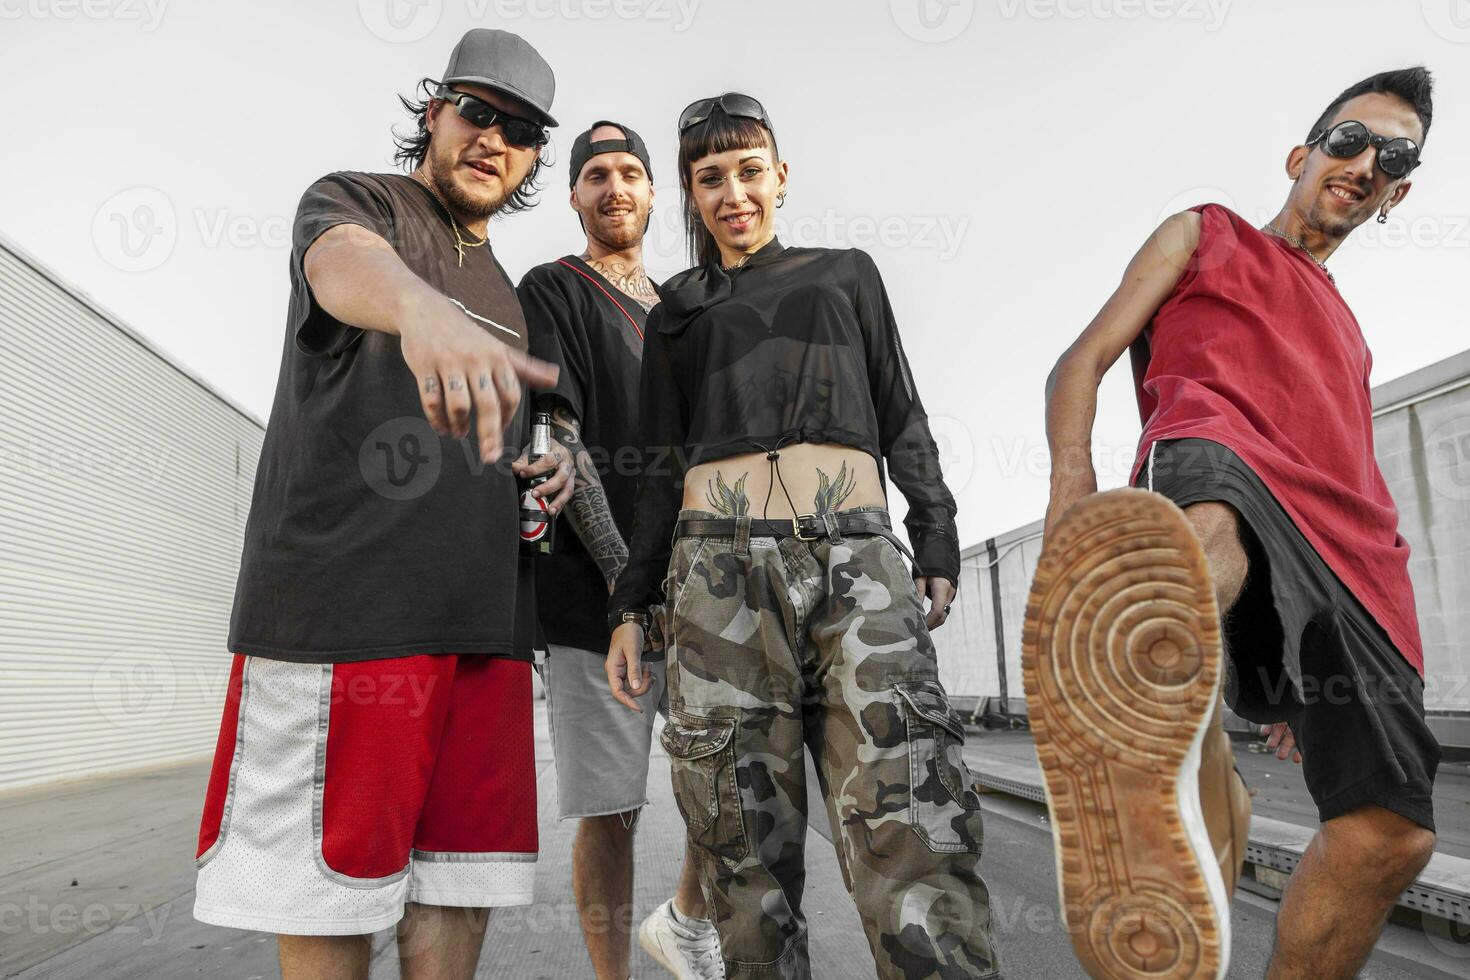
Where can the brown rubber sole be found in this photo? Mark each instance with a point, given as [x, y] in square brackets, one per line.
[1121, 656]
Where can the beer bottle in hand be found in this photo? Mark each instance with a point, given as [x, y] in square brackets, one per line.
[538, 525]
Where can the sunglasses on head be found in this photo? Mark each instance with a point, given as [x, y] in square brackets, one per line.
[1397, 156]
[481, 114]
[732, 103]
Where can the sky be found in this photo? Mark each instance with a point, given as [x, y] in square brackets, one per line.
[1001, 161]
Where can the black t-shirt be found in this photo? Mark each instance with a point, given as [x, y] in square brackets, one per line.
[796, 345]
[369, 535]
[582, 322]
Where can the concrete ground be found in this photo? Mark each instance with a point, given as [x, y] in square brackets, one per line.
[96, 881]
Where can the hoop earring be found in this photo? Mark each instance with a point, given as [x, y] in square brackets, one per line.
[1383, 217]
[780, 200]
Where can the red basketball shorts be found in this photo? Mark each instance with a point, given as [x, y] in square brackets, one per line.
[341, 791]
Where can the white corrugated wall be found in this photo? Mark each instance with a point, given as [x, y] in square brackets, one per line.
[124, 487]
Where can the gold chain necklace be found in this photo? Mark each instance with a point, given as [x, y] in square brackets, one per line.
[460, 242]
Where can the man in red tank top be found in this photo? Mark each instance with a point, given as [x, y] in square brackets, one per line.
[1253, 387]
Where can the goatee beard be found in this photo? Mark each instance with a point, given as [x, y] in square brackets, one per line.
[1333, 228]
[454, 195]
[619, 240]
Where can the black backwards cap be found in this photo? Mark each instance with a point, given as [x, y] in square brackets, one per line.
[585, 149]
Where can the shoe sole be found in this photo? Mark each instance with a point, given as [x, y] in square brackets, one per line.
[1121, 660]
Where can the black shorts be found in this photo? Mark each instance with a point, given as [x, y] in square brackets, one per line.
[1302, 649]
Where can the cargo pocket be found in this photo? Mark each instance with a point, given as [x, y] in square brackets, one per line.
[682, 565]
[944, 802]
[702, 760]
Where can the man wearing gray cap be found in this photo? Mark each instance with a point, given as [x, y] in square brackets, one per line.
[375, 763]
[587, 313]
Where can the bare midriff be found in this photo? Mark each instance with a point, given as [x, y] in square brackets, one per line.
[818, 477]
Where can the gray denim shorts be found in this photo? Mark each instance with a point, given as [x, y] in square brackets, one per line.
[600, 747]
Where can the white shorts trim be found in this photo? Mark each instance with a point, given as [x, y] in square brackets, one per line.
[472, 881]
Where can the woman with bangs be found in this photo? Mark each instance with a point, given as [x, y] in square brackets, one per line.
[774, 388]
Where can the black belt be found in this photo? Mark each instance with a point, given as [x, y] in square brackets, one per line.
[803, 527]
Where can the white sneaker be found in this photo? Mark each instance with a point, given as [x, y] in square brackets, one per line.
[689, 952]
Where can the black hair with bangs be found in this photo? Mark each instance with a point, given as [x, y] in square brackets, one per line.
[717, 134]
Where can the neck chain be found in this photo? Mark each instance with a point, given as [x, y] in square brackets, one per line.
[1298, 243]
[738, 263]
[460, 242]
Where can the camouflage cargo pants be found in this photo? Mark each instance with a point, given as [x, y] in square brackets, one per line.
[778, 644]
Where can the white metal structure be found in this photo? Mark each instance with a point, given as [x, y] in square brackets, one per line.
[124, 487]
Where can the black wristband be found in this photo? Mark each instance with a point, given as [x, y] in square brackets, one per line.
[639, 616]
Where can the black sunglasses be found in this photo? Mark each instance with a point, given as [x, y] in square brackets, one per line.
[1397, 156]
[733, 104]
[479, 113]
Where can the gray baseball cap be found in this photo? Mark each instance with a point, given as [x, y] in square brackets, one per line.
[504, 62]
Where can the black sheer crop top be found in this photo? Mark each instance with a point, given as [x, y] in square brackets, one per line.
[796, 345]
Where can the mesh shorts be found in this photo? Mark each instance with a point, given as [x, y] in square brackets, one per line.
[341, 791]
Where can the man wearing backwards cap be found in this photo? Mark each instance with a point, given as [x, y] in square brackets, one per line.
[587, 312]
[375, 761]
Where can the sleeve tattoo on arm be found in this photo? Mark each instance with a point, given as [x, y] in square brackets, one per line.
[589, 511]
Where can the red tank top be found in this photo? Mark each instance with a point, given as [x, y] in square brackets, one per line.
[1256, 350]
